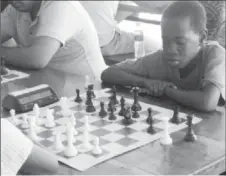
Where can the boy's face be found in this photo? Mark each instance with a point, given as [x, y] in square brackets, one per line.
[23, 6]
[180, 43]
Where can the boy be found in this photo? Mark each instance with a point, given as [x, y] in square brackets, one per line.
[57, 34]
[188, 69]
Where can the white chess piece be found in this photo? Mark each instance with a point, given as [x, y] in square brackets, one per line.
[73, 123]
[50, 119]
[25, 122]
[85, 146]
[70, 150]
[87, 82]
[96, 150]
[166, 139]
[57, 142]
[31, 133]
[65, 108]
[15, 121]
[36, 112]
[86, 123]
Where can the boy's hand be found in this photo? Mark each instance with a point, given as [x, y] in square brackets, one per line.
[157, 87]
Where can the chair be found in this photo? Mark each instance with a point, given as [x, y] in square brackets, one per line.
[215, 11]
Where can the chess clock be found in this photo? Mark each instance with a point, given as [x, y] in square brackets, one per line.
[24, 100]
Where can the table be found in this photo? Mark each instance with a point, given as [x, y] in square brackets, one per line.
[206, 156]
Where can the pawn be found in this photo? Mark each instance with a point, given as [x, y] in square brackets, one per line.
[122, 103]
[114, 95]
[102, 112]
[190, 135]
[25, 124]
[96, 150]
[78, 99]
[175, 119]
[112, 115]
[50, 119]
[149, 118]
[15, 121]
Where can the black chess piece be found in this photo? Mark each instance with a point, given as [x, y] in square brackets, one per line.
[127, 116]
[136, 105]
[136, 114]
[88, 97]
[3, 69]
[110, 104]
[102, 112]
[151, 129]
[190, 135]
[89, 103]
[78, 99]
[176, 119]
[122, 103]
[114, 95]
[112, 115]
[149, 118]
[91, 88]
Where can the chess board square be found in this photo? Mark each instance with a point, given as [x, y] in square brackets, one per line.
[62, 121]
[78, 124]
[60, 129]
[157, 130]
[10, 76]
[112, 137]
[100, 132]
[79, 115]
[104, 99]
[139, 126]
[46, 134]
[113, 147]
[38, 129]
[102, 142]
[104, 152]
[182, 121]
[145, 113]
[154, 121]
[141, 136]
[77, 107]
[126, 131]
[56, 108]
[161, 125]
[76, 143]
[46, 142]
[122, 123]
[126, 141]
[43, 125]
[100, 123]
[113, 127]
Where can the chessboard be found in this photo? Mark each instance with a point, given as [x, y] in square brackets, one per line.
[11, 75]
[109, 138]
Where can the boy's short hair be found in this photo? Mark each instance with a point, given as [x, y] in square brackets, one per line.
[192, 9]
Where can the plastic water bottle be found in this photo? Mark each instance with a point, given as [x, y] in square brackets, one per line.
[139, 42]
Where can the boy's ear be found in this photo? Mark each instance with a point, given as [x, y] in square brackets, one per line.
[203, 36]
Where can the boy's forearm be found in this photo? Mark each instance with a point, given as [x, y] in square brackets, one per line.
[117, 76]
[194, 99]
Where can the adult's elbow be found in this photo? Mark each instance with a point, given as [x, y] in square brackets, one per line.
[106, 74]
[39, 63]
[209, 105]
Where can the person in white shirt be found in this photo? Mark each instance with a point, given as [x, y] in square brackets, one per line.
[20, 155]
[57, 34]
[113, 40]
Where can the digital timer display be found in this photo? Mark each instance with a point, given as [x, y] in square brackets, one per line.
[35, 97]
